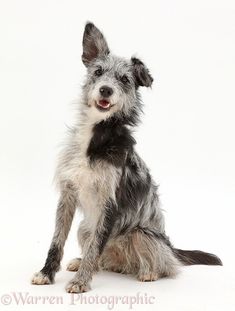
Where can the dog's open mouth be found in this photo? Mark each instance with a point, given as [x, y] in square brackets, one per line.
[103, 105]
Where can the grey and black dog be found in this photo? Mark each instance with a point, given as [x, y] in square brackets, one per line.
[100, 173]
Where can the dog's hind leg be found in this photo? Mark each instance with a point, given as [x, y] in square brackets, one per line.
[141, 254]
[143, 249]
[115, 257]
[155, 259]
[64, 216]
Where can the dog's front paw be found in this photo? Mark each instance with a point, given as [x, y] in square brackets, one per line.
[77, 287]
[40, 279]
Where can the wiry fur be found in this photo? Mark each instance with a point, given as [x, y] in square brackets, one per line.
[100, 172]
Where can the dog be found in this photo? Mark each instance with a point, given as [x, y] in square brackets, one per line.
[100, 173]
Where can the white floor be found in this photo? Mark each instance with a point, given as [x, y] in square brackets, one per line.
[196, 288]
[25, 243]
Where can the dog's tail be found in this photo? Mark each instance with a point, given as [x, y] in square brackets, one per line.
[196, 258]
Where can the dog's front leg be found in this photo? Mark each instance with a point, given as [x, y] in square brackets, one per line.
[89, 264]
[64, 216]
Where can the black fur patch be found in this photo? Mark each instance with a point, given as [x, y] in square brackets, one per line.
[134, 186]
[111, 142]
[141, 73]
[197, 257]
[158, 235]
[125, 85]
[52, 264]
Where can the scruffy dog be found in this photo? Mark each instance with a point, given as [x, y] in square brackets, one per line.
[100, 173]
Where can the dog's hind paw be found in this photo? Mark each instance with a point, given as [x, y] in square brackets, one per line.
[40, 279]
[74, 264]
[148, 277]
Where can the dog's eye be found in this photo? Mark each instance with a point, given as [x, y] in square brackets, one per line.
[124, 79]
[99, 72]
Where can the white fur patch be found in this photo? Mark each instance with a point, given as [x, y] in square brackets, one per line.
[40, 279]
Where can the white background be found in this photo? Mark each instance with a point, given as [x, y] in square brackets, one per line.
[187, 137]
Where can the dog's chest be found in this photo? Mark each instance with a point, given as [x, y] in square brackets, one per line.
[96, 182]
[96, 185]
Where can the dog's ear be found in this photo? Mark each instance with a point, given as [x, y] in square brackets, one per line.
[94, 44]
[141, 73]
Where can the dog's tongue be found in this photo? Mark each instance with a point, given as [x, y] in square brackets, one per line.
[104, 103]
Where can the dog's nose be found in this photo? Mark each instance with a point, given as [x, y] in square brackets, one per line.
[106, 91]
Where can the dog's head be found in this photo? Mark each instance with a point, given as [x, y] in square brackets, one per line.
[112, 82]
